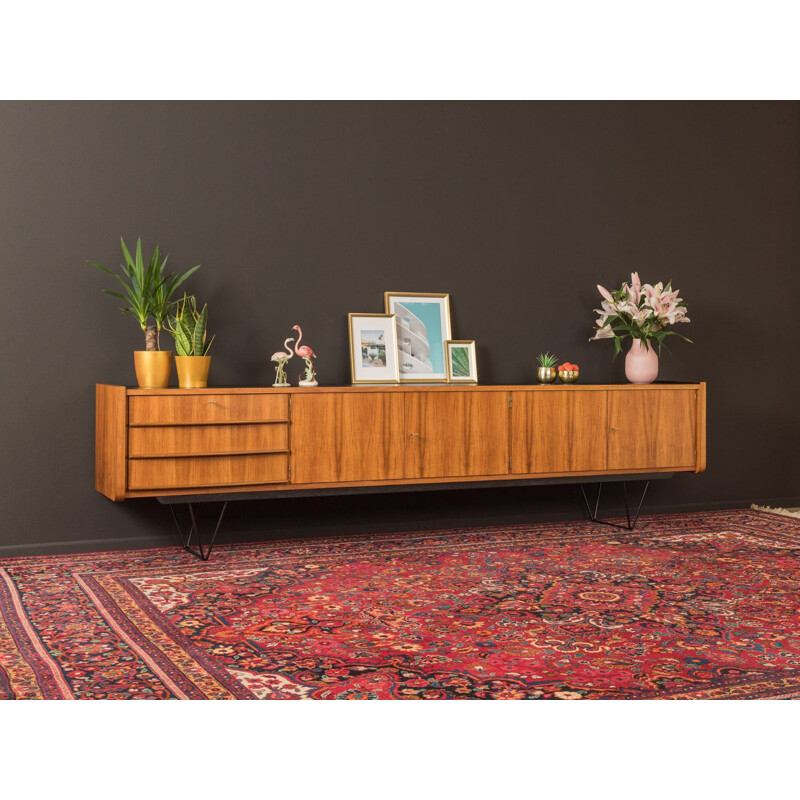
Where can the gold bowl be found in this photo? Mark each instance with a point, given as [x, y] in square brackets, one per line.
[568, 375]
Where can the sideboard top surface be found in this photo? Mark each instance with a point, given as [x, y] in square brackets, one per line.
[174, 390]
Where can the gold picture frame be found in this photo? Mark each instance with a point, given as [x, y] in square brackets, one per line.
[454, 370]
[376, 361]
[423, 327]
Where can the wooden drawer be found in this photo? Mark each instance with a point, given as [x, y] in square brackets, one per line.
[206, 471]
[209, 409]
[183, 440]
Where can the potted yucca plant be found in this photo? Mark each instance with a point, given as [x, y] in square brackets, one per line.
[147, 292]
[188, 328]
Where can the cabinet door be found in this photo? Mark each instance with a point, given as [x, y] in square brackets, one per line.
[558, 430]
[652, 428]
[346, 437]
[454, 434]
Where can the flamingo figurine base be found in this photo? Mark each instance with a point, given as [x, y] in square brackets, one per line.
[307, 383]
[281, 385]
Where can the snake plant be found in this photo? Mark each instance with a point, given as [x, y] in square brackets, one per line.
[188, 328]
[146, 290]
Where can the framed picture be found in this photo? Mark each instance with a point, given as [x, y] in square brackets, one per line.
[373, 348]
[461, 364]
[423, 326]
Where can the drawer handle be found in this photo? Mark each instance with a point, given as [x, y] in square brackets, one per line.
[212, 402]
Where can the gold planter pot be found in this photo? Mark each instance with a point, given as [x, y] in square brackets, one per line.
[546, 374]
[192, 371]
[153, 368]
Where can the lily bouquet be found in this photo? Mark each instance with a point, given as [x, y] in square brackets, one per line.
[641, 311]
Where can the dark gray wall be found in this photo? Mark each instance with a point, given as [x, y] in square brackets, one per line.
[302, 212]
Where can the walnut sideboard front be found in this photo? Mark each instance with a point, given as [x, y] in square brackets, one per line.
[162, 442]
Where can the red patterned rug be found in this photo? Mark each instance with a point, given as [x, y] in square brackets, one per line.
[688, 606]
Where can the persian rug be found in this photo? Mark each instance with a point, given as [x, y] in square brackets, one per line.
[686, 606]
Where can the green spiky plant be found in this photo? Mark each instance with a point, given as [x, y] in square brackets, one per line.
[188, 328]
[163, 291]
[146, 290]
[547, 360]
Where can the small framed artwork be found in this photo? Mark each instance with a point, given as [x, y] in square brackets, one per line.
[461, 364]
[423, 327]
[373, 348]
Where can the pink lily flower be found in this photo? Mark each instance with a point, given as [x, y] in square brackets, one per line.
[606, 308]
[605, 293]
[639, 309]
[604, 333]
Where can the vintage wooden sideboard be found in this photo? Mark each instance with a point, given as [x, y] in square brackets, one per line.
[202, 444]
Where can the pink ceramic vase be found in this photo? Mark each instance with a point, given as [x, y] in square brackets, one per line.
[641, 362]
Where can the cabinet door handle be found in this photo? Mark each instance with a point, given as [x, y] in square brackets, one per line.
[212, 402]
[613, 430]
[412, 435]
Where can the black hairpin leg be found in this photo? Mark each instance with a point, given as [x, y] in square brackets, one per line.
[593, 512]
[194, 529]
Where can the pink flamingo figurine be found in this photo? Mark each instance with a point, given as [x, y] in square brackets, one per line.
[306, 353]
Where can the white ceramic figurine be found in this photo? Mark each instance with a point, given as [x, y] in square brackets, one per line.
[282, 357]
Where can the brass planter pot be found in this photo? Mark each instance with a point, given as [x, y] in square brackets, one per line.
[546, 374]
[153, 368]
[192, 371]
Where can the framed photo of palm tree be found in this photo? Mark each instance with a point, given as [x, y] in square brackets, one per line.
[423, 326]
[461, 363]
[373, 348]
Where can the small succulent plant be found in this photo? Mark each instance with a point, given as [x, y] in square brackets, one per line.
[547, 360]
